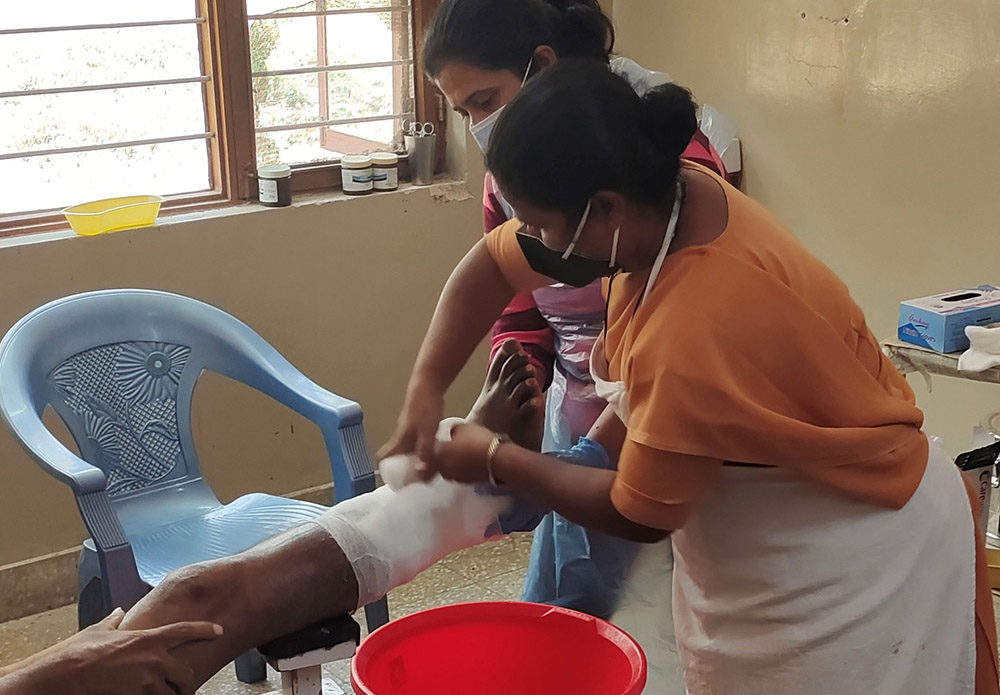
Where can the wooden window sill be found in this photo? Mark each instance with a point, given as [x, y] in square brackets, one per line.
[444, 189]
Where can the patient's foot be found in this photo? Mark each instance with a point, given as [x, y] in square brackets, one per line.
[511, 401]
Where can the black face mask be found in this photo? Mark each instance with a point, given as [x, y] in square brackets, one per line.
[576, 271]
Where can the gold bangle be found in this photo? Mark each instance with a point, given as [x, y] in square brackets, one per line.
[491, 454]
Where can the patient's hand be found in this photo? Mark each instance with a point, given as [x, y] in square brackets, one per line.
[103, 660]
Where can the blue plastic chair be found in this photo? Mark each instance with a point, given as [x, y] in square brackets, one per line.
[119, 367]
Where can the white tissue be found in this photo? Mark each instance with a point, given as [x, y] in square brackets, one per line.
[401, 470]
[984, 349]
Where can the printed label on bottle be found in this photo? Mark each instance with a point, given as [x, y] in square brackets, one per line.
[356, 180]
[386, 179]
[268, 190]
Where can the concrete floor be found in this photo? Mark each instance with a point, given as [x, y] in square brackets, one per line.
[491, 572]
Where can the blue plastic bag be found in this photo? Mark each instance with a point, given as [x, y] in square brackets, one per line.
[571, 566]
[576, 567]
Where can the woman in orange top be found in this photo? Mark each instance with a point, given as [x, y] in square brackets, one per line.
[823, 543]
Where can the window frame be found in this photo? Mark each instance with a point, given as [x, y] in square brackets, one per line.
[229, 114]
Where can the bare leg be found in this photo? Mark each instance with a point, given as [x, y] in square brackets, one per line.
[285, 584]
[383, 539]
[511, 401]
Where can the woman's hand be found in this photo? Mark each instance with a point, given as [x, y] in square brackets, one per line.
[463, 459]
[473, 298]
[103, 660]
[416, 429]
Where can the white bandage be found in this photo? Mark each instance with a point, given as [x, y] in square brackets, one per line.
[390, 536]
[401, 470]
[347, 522]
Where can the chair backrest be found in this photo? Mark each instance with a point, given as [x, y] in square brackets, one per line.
[120, 367]
[120, 403]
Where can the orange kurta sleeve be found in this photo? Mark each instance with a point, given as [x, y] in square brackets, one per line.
[659, 489]
[506, 253]
[756, 376]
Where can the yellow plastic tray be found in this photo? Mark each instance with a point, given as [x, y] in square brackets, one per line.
[113, 214]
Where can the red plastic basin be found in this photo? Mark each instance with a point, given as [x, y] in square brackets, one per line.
[498, 648]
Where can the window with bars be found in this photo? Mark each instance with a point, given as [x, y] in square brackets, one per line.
[185, 98]
[349, 62]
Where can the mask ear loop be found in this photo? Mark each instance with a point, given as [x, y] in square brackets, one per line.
[614, 248]
[576, 237]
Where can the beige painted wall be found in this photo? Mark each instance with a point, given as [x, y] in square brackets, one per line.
[344, 290]
[869, 127]
[861, 134]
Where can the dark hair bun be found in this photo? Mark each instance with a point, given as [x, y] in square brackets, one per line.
[579, 111]
[586, 32]
[671, 118]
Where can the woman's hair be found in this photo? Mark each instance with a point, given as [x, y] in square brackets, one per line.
[503, 34]
[577, 128]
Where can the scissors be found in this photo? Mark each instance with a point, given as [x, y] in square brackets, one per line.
[417, 130]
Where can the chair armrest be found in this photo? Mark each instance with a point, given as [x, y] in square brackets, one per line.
[307, 398]
[49, 453]
[244, 356]
[353, 472]
[339, 419]
[342, 424]
[88, 483]
[89, 486]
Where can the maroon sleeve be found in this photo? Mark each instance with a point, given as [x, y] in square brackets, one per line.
[700, 151]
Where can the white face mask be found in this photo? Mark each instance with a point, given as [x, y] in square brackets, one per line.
[481, 131]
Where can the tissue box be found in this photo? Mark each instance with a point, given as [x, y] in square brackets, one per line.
[938, 322]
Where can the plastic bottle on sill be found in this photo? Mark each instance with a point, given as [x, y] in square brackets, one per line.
[274, 185]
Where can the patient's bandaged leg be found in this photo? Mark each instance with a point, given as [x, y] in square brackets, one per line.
[389, 536]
